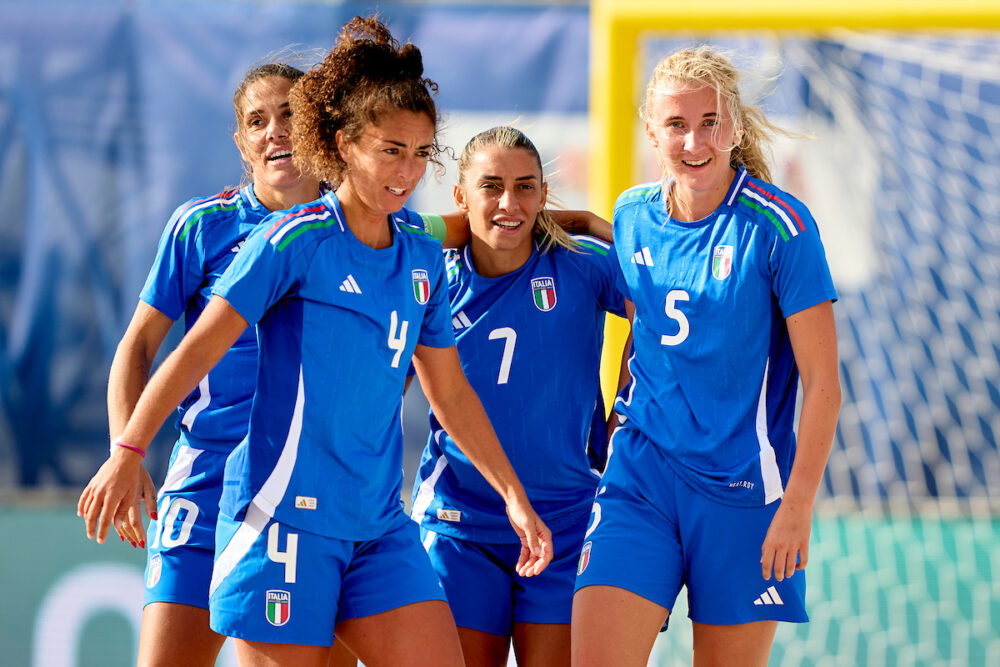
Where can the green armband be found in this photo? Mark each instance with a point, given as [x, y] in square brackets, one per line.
[435, 226]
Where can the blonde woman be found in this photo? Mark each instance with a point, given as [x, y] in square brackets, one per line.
[708, 486]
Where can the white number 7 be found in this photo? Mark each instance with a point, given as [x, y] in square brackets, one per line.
[510, 338]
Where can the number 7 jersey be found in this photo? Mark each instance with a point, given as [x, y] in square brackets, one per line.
[714, 380]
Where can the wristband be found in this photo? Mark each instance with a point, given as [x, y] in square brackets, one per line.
[119, 443]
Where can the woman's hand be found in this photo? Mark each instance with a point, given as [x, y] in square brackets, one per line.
[110, 493]
[536, 539]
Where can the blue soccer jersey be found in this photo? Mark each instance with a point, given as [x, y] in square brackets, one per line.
[337, 324]
[200, 241]
[530, 345]
[713, 375]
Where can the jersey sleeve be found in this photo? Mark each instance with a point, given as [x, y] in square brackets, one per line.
[609, 282]
[800, 275]
[177, 270]
[436, 329]
[432, 225]
[263, 272]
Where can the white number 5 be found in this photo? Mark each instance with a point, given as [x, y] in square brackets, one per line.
[673, 296]
[510, 338]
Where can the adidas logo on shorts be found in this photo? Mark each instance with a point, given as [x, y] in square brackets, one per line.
[770, 596]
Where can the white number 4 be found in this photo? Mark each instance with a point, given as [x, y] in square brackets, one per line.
[510, 338]
[288, 556]
[673, 296]
[397, 343]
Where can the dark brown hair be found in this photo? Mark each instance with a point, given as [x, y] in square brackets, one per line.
[364, 76]
[253, 75]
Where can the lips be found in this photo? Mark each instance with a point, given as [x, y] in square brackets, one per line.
[280, 154]
[508, 224]
[696, 163]
[396, 191]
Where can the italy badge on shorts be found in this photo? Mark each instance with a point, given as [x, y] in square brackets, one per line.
[543, 292]
[421, 286]
[279, 606]
[722, 261]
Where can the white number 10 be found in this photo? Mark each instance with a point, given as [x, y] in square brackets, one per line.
[673, 296]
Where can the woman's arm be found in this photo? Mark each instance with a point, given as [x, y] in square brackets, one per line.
[583, 222]
[130, 370]
[461, 414]
[814, 343]
[106, 498]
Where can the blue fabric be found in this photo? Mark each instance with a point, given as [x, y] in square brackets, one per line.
[535, 367]
[709, 335]
[334, 317]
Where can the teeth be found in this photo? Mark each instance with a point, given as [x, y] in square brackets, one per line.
[397, 191]
[692, 163]
[281, 155]
[507, 224]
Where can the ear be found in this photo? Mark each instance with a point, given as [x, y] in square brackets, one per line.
[651, 137]
[342, 144]
[459, 194]
[239, 147]
[545, 194]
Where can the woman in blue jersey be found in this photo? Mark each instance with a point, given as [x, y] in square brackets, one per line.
[311, 538]
[708, 486]
[197, 246]
[527, 305]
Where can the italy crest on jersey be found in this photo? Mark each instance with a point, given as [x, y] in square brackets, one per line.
[722, 261]
[421, 286]
[543, 291]
[279, 604]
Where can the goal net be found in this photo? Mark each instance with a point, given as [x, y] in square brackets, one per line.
[903, 176]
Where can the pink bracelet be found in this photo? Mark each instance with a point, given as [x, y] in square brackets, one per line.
[119, 443]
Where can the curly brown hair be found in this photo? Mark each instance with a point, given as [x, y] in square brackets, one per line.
[364, 76]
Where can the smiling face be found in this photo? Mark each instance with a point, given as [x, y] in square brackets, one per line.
[386, 162]
[263, 138]
[502, 192]
[693, 135]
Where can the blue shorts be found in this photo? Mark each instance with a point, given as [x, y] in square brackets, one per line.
[486, 594]
[181, 545]
[651, 532]
[278, 584]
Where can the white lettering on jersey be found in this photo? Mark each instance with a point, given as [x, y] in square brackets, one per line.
[288, 556]
[397, 343]
[510, 339]
[673, 296]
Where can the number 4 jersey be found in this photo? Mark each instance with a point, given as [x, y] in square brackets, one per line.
[337, 323]
[713, 375]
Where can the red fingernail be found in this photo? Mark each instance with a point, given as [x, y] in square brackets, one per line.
[142, 543]
[154, 516]
[123, 537]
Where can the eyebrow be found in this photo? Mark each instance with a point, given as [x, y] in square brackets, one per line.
[491, 177]
[258, 112]
[710, 114]
[402, 145]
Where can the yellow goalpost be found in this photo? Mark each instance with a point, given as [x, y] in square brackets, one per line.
[617, 80]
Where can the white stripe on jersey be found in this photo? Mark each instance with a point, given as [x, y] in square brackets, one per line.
[244, 537]
[768, 462]
[295, 222]
[180, 469]
[631, 389]
[425, 492]
[204, 398]
[774, 207]
[261, 508]
[214, 201]
[593, 239]
[736, 190]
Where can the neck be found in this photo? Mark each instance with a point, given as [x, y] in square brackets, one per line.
[689, 205]
[274, 199]
[491, 263]
[370, 226]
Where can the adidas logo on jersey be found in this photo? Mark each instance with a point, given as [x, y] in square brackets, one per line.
[350, 285]
[643, 257]
[239, 244]
[770, 596]
[461, 321]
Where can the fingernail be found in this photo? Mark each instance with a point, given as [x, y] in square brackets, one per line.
[123, 537]
[142, 543]
[154, 516]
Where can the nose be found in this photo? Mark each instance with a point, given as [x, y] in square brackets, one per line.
[413, 168]
[690, 141]
[278, 128]
[508, 202]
